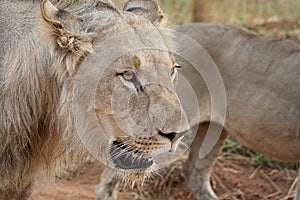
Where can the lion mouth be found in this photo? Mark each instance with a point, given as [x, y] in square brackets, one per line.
[125, 157]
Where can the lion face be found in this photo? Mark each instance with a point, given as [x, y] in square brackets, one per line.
[138, 113]
[141, 108]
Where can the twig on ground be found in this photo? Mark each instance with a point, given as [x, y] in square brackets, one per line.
[215, 177]
[270, 180]
[291, 192]
[255, 172]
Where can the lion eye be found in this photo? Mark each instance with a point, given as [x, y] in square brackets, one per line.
[128, 75]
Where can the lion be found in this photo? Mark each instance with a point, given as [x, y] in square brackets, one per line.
[261, 78]
[51, 54]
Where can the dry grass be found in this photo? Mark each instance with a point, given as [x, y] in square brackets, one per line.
[233, 177]
[252, 12]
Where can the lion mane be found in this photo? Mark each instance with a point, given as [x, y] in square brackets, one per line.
[42, 47]
[36, 123]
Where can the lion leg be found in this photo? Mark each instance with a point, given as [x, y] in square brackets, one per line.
[297, 194]
[197, 170]
[107, 189]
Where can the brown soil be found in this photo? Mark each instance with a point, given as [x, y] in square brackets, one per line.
[79, 186]
[233, 177]
[236, 178]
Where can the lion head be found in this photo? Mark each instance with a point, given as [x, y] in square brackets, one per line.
[119, 81]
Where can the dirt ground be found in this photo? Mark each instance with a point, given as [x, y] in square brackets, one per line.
[233, 177]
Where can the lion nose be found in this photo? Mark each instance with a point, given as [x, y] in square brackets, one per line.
[173, 136]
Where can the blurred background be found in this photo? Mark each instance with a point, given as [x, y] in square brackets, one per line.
[279, 18]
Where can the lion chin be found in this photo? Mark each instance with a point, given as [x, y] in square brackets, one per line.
[131, 178]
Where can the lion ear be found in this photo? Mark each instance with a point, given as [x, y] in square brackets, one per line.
[149, 9]
[51, 14]
[57, 19]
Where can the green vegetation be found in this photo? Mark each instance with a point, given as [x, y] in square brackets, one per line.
[232, 147]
